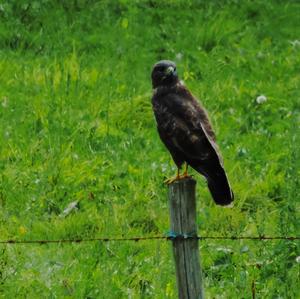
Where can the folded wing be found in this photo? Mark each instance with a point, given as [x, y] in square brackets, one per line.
[190, 134]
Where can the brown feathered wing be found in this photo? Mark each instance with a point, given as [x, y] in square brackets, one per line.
[184, 128]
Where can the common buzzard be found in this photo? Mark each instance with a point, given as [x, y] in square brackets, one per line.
[184, 127]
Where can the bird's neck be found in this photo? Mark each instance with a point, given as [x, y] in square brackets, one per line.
[164, 89]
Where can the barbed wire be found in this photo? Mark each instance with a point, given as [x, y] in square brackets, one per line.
[171, 237]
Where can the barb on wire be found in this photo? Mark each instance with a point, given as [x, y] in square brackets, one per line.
[171, 236]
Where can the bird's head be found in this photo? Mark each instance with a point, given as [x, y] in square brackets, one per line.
[164, 73]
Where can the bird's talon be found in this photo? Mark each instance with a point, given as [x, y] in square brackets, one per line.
[171, 180]
[176, 178]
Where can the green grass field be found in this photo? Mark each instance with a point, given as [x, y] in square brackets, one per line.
[77, 127]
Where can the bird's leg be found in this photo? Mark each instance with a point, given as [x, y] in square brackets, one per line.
[178, 176]
[185, 174]
[173, 179]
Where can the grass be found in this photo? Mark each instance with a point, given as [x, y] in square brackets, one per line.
[77, 127]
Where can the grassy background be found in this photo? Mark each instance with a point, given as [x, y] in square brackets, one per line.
[77, 127]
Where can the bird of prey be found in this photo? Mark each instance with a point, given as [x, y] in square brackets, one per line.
[184, 127]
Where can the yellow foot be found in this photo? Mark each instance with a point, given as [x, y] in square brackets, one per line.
[186, 175]
[171, 180]
[177, 178]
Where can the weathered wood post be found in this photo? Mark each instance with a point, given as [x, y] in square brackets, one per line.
[185, 248]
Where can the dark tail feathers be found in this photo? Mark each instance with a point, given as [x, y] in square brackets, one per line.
[217, 181]
[219, 188]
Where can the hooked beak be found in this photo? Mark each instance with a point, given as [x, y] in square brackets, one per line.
[169, 70]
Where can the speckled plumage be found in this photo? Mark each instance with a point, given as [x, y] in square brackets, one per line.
[184, 128]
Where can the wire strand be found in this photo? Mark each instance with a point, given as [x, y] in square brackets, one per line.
[161, 237]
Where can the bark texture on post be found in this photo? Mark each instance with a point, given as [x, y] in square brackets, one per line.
[186, 251]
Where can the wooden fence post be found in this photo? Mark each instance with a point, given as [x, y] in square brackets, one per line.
[186, 251]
